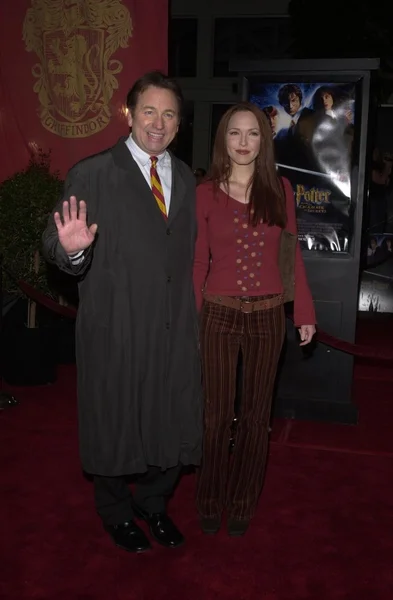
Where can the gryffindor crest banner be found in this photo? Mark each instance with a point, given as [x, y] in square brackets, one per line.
[65, 69]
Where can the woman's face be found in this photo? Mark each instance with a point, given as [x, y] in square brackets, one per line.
[327, 100]
[243, 138]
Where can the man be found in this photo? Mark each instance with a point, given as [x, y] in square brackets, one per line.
[293, 143]
[272, 114]
[126, 228]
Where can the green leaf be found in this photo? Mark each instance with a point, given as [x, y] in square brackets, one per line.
[26, 200]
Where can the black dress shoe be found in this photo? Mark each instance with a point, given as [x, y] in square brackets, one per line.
[162, 528]
[129, 536]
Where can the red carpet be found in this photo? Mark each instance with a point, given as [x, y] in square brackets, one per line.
[372, 435]
[323, 529]
[375, 331]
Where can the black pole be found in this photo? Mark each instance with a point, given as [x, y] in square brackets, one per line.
[6, 400]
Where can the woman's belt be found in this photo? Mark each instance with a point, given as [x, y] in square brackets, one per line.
[246, 304]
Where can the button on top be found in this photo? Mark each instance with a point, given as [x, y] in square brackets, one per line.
[169, 279]
[168, 231]
[248, 252]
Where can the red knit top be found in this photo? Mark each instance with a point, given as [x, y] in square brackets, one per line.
[233, 258]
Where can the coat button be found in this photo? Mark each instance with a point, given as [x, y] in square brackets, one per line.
[169, 279]
[168, 231]
[167, 325]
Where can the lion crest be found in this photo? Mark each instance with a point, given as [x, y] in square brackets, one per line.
[74, 41]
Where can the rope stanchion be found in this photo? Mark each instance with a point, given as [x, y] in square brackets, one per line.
[354, 349]
[65, 311]
[357, 350]
[350, 348]
[41, 298]
[6, 400]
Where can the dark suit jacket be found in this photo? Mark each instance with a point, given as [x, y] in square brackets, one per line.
[293, 144]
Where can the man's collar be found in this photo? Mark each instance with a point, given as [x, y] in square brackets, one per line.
[142, 156]
[296, 116]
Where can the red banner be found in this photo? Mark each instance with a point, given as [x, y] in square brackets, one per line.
[65, 69]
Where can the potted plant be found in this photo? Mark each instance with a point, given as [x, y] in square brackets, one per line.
[26, 200]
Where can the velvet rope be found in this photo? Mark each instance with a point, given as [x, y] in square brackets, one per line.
[353, 349]
[321, 336]
[44, 300]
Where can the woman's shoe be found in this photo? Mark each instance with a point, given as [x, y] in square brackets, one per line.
[210, 525]
[236, 528]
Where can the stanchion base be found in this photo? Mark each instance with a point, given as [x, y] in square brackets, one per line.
[7, 400]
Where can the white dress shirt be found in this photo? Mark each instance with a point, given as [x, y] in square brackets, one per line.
[142, 159]
[295, 118]
[164, 168]
[331, 114]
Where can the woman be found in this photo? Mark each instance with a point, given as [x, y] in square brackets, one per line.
[241, 210]
[333, 102]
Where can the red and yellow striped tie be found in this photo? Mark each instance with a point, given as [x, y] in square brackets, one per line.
[156, 186]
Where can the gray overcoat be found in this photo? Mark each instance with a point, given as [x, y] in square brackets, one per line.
[139, 382]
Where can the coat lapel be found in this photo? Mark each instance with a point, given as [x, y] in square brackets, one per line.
[123, 159]
[178, 190]
[142, 191]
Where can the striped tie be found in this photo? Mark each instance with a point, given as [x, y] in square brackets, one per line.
[156, 186]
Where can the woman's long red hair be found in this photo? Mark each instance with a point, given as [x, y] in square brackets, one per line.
[266, 193]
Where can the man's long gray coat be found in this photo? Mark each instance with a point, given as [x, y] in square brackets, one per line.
[136, 335]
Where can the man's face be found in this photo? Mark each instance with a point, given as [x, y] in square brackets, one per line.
[293, 104]
[274, 122]
[155, 120]
[327, 101]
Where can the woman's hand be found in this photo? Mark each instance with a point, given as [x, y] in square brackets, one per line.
[306, 334]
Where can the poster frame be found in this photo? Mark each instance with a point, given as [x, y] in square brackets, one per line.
[314, 72]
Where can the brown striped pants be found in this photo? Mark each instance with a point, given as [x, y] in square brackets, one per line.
[223, 333]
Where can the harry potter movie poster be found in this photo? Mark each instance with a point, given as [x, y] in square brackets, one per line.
[313, 129]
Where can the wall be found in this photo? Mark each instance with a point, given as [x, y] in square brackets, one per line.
[204, 92]
[209, 8]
